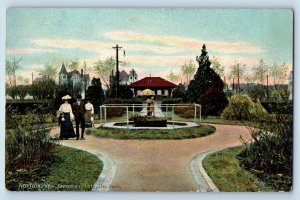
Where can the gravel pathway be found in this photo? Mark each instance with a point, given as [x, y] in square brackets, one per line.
[158, 165]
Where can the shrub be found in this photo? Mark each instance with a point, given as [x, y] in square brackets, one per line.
[27, 147]
[213, 102]
[257, 92]
[185, 112]
[281, 107]
[28, 105]
[241, 107]
[120, 111]
[270, 154]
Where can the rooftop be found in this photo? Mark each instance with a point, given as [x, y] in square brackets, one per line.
[152, 82]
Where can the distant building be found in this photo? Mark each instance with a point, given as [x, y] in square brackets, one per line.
[127, 79]
[41, 79]
[75, 79]
[160, 86]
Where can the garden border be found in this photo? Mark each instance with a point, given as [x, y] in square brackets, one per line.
[199, 174]
[109, 171]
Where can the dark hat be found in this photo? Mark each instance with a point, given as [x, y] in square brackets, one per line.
[78, 96]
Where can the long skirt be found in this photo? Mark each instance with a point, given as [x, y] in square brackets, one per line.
[88, 121]
[66, 127]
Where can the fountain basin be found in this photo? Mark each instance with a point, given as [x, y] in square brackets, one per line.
[169, 125]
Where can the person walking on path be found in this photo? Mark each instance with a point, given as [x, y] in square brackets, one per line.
[89, 112]
[65, 117]
[79, 112]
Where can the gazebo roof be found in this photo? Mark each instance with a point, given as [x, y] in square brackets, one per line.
[152, 82]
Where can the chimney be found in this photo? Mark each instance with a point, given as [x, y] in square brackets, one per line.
[81, 73]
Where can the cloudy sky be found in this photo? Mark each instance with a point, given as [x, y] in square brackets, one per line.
[156, 40]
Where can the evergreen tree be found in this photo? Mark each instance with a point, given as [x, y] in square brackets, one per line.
[124, 92]
[95, 94]
[204, 78]
[179, 91]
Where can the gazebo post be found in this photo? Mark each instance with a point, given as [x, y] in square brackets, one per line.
[133, 109]
[200, 113]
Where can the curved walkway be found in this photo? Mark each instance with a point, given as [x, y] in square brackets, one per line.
[158, 165]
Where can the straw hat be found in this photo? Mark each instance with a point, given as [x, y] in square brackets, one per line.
[66, 97]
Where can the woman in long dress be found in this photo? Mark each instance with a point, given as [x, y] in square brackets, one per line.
[65, 119]
[89, 112]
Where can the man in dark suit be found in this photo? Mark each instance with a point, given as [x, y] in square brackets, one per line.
[79, 111]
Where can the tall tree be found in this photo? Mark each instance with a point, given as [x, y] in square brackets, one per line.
[204, 78]
[22, 80]
[48, 71]
[104, 69]
[260, 71]
[216, 65]
[73, 65]
[173, 77]
[188, 70]
[11, 68]
[279, 73]
[179, 91]
[95, 94]
[43, 89]
[237, 72]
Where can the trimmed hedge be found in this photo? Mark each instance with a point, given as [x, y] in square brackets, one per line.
[22, 107]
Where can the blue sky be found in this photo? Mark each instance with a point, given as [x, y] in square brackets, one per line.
[156, 40]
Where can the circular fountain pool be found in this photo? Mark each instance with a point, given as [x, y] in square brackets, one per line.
[170, 125]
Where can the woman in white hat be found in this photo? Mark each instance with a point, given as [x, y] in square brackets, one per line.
[65, 119]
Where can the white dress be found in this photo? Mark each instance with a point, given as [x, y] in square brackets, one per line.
[66, 108]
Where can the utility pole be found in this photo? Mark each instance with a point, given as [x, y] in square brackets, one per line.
[117, 47]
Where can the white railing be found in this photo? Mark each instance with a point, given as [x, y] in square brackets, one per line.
[103, 110]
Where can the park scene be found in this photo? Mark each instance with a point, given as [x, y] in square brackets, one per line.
[149, 100]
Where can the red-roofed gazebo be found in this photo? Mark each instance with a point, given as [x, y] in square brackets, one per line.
[160, 86]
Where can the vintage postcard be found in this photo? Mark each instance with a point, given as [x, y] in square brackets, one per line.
[168, 100]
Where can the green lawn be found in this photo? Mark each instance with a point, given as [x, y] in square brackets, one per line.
[176, 134]
[70, 170]
[228, 176]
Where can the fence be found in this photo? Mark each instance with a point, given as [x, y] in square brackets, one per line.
[161, 110]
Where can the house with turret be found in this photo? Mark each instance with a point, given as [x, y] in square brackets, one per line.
[77, 81]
